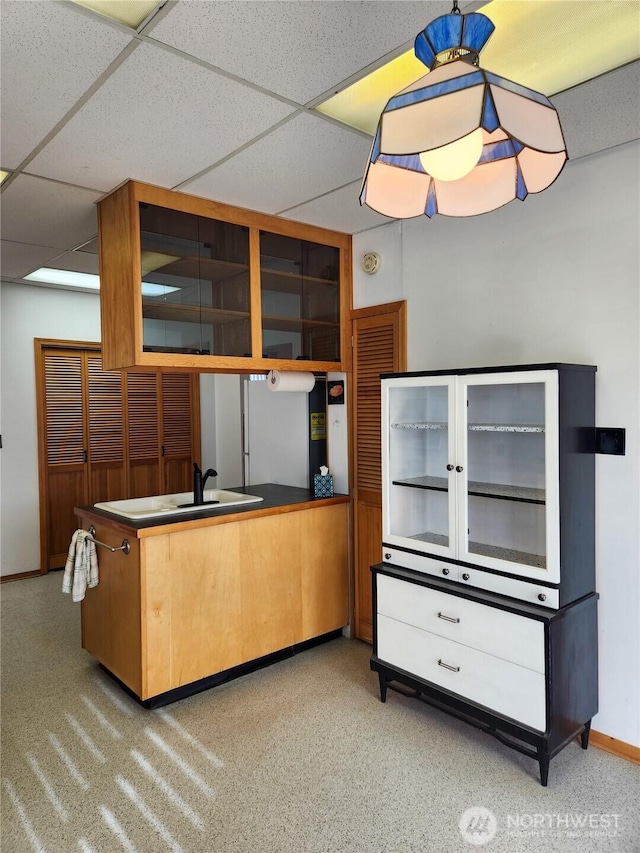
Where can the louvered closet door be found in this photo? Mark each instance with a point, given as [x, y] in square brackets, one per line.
[107, 466]
[143, 435]
[65, 450]
[177, 431]
[379, 346]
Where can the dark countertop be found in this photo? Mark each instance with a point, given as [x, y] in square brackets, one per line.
[276, 498]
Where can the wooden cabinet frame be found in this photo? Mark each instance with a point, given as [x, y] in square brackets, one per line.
[121, 298]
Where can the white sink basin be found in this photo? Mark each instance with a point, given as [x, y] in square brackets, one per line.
[177, 504]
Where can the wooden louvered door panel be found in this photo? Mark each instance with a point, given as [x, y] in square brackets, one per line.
[107, 458]
[65, 450]
[178, 451]
[143, 435]
[379, 346]
[101, 436]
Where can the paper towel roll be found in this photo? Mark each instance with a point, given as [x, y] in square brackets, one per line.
[291, 380]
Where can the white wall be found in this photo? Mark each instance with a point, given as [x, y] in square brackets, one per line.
[228, 459]
[553, 279]
[28, 313]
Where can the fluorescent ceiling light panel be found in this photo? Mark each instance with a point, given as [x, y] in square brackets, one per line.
[131, 13]
[534, 43]
[66, 278]
[3, 175]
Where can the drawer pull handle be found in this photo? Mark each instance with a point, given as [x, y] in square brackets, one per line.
[448, 666]
[445, 571]
[387, 556]
[448, 618]
[542, 597]
[466, 576]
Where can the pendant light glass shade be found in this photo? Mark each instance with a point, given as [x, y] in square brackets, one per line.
[460, 141]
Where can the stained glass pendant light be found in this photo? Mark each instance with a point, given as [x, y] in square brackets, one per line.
[460, 141]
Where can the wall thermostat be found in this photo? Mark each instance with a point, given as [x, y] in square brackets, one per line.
[371, 262]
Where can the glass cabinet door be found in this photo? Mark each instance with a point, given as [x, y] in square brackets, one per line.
[195, 284]
[417, 452]
[300, 295]
[508, 482]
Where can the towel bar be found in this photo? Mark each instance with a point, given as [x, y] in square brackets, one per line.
[124, 547]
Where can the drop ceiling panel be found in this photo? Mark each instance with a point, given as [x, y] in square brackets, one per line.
[159, 118]
[298, 50]
[46, 213]
[50, 56]
[77, 262]
[19, 259]
[339, 210]
[601, 113]
[314, 155]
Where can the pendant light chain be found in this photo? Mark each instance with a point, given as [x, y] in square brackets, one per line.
[455, 10]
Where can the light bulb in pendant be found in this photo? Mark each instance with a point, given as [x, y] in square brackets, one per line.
[455, 160]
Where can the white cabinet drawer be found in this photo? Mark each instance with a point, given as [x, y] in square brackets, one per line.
[420, 563]
[497, 684]
[543, 596]
[479, 626]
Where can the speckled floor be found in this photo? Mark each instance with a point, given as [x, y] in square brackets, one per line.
[298, 758]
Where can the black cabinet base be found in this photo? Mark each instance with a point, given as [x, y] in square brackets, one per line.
[222, 677]
[539, 746]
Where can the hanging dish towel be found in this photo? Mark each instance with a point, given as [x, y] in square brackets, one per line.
[81, 568]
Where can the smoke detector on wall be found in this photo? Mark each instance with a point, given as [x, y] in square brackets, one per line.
[371, 262]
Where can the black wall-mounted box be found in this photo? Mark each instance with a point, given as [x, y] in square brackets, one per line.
[610, 440]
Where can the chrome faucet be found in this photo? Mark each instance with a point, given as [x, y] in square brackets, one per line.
[199, 482]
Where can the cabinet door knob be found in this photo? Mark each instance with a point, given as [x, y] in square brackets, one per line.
[542, 597]
[459, 468]
[445, 571]
[449, 467]
[466, 576]
[387, 556]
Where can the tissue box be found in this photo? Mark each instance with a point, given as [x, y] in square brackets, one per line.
[323, 485]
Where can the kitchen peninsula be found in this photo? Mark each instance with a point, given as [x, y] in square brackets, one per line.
[204, 597]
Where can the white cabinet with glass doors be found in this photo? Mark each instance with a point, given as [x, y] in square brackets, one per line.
[471, 474]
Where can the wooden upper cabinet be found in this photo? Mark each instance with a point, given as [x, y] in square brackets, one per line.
[191, 284]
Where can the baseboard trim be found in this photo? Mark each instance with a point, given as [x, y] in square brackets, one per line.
[19, 576]
[615, 747]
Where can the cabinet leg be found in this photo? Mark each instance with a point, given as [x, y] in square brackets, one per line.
[584, 737]
[383, 687]
[543, 761]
